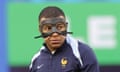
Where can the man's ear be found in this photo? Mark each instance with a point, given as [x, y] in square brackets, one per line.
[67, 24]
[39, 28]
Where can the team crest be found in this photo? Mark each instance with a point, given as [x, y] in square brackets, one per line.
[64, 62]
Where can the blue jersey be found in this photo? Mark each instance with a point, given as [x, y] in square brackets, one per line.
[65, 59]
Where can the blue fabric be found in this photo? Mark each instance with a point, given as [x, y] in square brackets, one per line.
[3, 46]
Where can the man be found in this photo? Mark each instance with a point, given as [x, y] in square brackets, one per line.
[60, 52]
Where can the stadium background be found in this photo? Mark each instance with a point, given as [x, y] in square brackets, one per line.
[93, 22]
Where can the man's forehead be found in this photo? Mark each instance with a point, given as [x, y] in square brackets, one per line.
[43, 18]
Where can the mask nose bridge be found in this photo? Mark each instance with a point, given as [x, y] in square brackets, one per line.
[54, 29]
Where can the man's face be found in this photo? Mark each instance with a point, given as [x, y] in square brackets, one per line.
[54, 40]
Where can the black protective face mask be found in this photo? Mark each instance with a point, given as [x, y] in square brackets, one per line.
[53, 25]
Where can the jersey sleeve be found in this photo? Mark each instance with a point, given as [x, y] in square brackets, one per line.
[90, 63]
[32, 66]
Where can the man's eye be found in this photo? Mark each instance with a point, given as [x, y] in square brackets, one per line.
[46, 29]
[61, 26]
[49, 27]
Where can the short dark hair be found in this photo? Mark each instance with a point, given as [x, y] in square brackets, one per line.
[50, 12]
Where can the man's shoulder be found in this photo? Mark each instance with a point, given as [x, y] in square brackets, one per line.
[35, 56]
[87, 52]
[83, 47]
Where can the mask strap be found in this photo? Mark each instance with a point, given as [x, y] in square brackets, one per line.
[40, 36]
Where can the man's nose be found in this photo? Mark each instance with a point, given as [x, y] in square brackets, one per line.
[55, 34]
